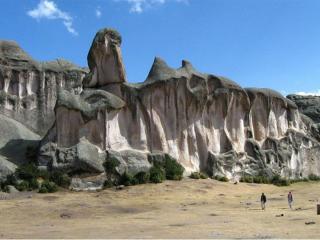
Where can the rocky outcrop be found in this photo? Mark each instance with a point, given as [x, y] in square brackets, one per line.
[308, 105]
[28, 89]
[15, 139]
[205, 122]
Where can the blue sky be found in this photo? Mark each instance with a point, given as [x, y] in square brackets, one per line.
[257, 43]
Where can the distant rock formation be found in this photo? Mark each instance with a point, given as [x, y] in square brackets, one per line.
[206, 122]
[28, 89]
[308, 105]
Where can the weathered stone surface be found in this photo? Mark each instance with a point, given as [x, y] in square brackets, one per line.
[83, 157]
[89, 183]
[15, 138]
[130, 161]
[136, 161]
[308, 105]
[206, 122]
[105, 48]
[6, 168]
[89, 158]
[28, 89]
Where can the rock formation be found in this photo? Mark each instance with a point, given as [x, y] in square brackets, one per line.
[15, 138]
[28, 89]
[308, 105]
[28, 93]
[206, 122]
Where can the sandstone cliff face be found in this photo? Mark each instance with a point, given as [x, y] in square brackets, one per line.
[28, 89]
[206, 122]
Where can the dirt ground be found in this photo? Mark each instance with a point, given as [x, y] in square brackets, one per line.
[184, 209]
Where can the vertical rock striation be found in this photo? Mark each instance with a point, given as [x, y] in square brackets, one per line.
[206, 122]
[28, 89]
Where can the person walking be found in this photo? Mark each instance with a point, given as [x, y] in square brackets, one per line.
[263, 201]
[290, 199]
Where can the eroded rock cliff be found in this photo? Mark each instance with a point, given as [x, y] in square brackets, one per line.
[308, 105]
[28, 89]
[206, 122]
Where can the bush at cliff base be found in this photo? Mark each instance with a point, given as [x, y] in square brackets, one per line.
[157, 174]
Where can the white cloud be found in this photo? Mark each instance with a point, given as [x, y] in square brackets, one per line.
[138, 6]
[49, 10]
[98, 13]
[316, 93]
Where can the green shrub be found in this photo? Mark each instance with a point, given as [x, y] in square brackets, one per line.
[48, 187]
[198, 175]
[27, 172]
[313, 177]
[33, 184]
[22, 186]
[247, 179]
[195, 175]
[278, 181]
[110, 165]
[128, 180]
[221, 178]
[260, 179]
[203, 175]
[60, 178]
[108, 184]
[43, 189]
[173, 169]
[157, 174]
[111, 172]
[44, 174]
[142, 177]
[10, 180]
[299, 180]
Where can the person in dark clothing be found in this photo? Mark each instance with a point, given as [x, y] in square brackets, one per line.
[290, 199]
[263, 201]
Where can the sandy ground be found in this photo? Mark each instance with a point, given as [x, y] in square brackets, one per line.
[185, 209]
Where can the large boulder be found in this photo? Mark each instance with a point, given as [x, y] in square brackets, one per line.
[84, 157]
[129, 161]
[89, 157]
[15, 140]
